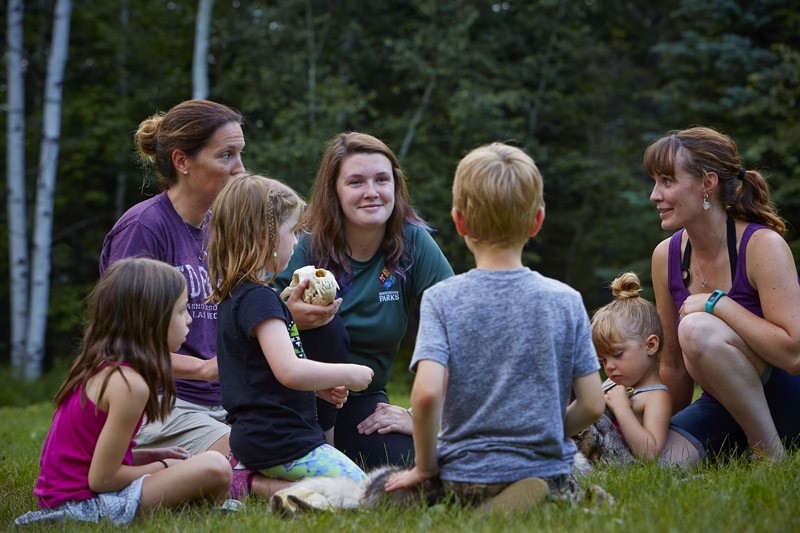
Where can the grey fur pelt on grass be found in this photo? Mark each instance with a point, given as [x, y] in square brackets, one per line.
[602, 443]
[330, 493]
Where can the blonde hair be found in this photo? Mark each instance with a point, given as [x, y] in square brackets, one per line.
[628, 317]
[246, 218]
[498, 189]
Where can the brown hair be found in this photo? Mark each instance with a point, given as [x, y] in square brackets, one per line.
[324, 218]
[129, 312]
[628, 317]
[701, 150]
[498, 189]
[245, 220]
[188, 126]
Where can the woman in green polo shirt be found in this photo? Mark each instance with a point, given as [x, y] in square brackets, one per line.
[361, 226]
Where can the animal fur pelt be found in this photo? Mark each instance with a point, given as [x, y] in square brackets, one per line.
[331, 493]
[602, 443]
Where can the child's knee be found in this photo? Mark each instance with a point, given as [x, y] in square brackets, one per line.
[215, 467]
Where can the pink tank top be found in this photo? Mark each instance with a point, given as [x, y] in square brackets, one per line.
[68, 450]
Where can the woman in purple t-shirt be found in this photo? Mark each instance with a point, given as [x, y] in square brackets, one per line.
[728, 296]
[195, 148]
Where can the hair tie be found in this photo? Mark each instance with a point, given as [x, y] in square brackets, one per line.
[742, 172]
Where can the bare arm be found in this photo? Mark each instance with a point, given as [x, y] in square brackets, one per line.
[305, 374]
[143, 456]
[587, 407]
[189, 367]
[673, 371]
[124, 401]
[771, 270]
[427, 398]
[645, 439]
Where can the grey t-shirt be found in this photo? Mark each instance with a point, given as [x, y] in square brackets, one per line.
[512, 342]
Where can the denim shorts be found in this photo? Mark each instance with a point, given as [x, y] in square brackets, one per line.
[713, 431]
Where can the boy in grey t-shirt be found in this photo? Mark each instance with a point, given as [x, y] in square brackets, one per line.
[507, 345]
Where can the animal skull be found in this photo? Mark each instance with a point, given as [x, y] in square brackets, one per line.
[321, 288]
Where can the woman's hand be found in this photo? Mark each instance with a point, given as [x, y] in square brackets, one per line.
[387, 419]
[337, 395]
[694, 303]
[310, 316]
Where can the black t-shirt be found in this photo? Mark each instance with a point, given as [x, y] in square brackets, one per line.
[270, 424]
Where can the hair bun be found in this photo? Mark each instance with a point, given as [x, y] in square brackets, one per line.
[626, 286]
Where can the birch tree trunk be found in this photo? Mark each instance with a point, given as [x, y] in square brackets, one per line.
[45, 189]
[15, 178]
[202, 32]
[124, 94]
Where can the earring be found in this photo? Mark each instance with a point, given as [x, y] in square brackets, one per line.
[274, 253]
[706, 204]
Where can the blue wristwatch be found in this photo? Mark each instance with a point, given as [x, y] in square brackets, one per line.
[713, 299]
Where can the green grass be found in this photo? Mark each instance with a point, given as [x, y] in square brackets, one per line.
[737, 496]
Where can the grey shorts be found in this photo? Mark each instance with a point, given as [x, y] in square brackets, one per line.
[119, 508]
[191, 426]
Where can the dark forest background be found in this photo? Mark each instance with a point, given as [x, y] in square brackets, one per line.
[583, 86]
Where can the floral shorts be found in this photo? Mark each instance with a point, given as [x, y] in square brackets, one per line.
[324, 460]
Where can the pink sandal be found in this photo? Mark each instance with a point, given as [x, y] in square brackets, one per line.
[242, 482]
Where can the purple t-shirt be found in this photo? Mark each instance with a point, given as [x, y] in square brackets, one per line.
[154, 229]
[68, 450]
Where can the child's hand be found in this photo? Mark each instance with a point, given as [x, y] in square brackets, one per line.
[617, 398]
[360, 377]
[337, 395]
[408, 478]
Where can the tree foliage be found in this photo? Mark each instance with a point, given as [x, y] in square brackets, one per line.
[583, 86]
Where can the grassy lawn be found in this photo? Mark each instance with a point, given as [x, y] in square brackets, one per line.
[739, 496]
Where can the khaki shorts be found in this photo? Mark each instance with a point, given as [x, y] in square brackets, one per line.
[191, 426]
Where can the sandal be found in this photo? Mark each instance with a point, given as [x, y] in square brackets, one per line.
[242, 482]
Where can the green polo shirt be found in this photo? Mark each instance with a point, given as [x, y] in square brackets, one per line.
[376, 304]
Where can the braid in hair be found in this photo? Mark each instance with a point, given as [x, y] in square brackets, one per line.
[271, 224]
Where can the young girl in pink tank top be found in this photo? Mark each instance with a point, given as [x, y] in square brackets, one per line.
[89, 470]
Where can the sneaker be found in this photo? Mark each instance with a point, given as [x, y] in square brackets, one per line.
[242, 482]
[230, 506]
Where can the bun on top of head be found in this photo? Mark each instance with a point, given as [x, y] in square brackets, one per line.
[626, 286]
[627, 317]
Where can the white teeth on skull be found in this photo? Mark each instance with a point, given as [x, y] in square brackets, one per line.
[322, 285]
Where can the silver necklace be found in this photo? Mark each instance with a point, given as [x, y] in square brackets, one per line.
[702, 278]
[202, 252]
[703, 282]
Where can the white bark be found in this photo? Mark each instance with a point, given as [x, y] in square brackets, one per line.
[45, 190]
[202, 32]
[15, 178]
[124, 94]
